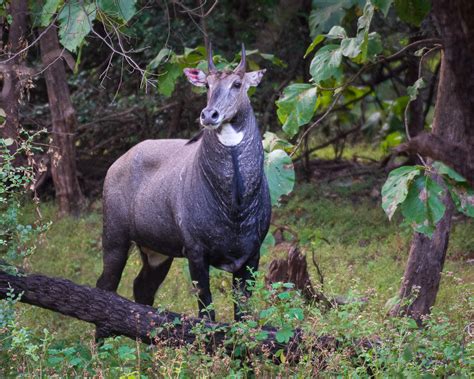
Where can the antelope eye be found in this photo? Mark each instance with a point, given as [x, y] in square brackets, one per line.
[237, 84]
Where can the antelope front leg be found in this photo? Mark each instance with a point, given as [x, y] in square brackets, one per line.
[239, 280]
[199, 270]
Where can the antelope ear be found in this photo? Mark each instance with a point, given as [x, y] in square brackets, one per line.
[196, 77]
[253, 78]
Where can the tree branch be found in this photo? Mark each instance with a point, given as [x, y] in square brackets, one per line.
[457, 156]
[120, 316]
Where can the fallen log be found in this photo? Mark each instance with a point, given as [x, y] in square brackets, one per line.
[120, 316]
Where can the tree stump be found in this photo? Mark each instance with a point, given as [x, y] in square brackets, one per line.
[294, 269]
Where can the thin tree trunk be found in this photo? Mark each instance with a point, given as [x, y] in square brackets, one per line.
[11, 86]
[63, 153]
[426, 258]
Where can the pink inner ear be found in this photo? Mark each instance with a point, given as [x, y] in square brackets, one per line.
[192, 74]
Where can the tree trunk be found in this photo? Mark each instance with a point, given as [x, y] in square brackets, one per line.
[63, 154]
[11, 86]
[454, 112]
[120, 316]
[456, 24]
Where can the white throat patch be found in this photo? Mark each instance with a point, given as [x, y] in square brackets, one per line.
[228, 136]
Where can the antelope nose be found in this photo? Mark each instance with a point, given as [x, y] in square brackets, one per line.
[209, 116]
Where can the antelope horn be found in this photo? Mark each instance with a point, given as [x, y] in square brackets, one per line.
[210, 61]
[240, 69]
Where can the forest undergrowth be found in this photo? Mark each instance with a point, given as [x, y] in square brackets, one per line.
[360, 254]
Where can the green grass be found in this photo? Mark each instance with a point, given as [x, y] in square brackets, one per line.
[363, 250]
[359, 251]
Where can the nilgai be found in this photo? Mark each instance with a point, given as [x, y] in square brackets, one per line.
[204, 199]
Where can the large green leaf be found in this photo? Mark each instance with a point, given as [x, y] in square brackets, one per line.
[296, 107]
[49, 9]
[395, 189]
[75, 22]
[327, 13]
[423, 207]
[122, 10]
[326, 63]
[412, 11]
[280, 174]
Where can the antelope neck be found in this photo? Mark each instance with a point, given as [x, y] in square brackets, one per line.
[231, 161]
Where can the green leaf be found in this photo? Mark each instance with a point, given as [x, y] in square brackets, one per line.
[8, 141]
[3, 117]
[283, 335]
[273, 59]
[412, 11]
[383, 5]
[122, 10]
[296, 107]
[423, 207]
[319, 38]
[337, 32]
[327, 13]
[296, 313]
[363, 23]
[272, 142]
[326, 63]
[352, 47]
[167, 81]
[415, 88]
[392, 140]
[395, 189]
[162, 54]
[374, 46]
[463, 198]
[446, 170]
[49, 9]
[280, 174]
[407, 354]
[75, 22]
